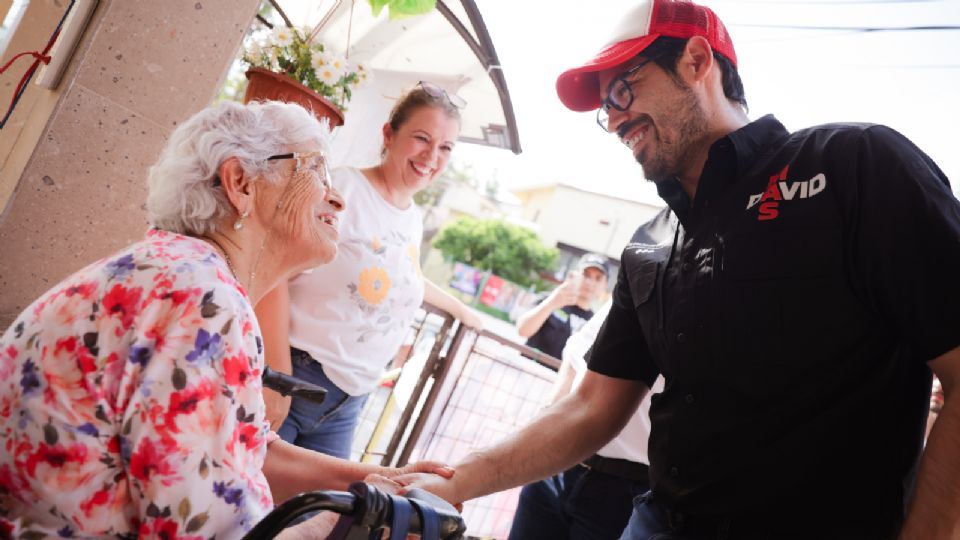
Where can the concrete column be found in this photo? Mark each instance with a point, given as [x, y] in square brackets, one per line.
[141, 67]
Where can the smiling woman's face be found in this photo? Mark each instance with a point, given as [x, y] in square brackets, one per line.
[303, 231]
[418, 151]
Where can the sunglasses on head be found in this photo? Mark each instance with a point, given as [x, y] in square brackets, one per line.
[439, 93]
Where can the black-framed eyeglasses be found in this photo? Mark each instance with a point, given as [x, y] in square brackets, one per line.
[439, 93]
[314, 162]
[619, 95]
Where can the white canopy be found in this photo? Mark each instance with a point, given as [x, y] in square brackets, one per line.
[449, 46]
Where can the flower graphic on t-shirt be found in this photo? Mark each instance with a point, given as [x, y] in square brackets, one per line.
[413, 251]
[374, 285]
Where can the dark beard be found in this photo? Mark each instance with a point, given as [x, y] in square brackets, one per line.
[670, 156]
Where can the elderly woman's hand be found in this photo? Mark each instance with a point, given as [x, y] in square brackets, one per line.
[277, 408]
[319, 526]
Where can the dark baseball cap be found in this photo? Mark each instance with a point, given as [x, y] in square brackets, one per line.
[594, 260]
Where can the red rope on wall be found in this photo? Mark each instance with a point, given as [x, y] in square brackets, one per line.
[41, 57]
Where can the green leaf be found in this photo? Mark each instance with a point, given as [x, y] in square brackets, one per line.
[410, 8]
[376, 6]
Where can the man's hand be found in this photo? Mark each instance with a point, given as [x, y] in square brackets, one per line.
[441, 486]
[277, 408]
[429, 467]
[565, 295]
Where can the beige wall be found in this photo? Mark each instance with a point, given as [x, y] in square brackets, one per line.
[141, 67]
[587, 220]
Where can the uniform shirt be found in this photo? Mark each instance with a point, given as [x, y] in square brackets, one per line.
[553, 334]
[352, 314]
[130, 402]
[791, 307]
[631, 442]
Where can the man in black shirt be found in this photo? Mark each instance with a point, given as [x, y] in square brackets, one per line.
[795, 295]
[549, 324]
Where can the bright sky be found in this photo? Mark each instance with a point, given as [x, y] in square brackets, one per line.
[907, 79]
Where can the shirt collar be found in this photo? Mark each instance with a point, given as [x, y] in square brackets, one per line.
[729, 157]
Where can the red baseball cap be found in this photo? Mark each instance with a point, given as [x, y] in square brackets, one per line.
[579, 88]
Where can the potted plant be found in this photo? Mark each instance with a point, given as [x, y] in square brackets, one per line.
[290, 66]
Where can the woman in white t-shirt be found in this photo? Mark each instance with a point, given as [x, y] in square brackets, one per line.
[339, 325]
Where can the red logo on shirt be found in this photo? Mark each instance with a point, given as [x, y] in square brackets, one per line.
[778, 190]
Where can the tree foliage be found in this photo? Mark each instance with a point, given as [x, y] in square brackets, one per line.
[510, 251]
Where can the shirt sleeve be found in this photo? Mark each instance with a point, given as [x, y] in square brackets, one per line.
[193, 434]
[579, 343]
[905, 241]
[620, 349]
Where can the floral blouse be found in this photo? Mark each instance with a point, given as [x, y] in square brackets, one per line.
[130, 401]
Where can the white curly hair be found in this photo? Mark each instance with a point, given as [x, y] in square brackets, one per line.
[184, 196]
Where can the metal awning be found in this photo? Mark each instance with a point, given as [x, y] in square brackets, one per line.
[449, 46]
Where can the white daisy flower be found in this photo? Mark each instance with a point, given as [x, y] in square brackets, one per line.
[282, 36]
[339, 64]
[318, 60]
[327, 75]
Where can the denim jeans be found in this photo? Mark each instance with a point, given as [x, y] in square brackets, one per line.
[327, 427]
[579, 504]
[814, 521]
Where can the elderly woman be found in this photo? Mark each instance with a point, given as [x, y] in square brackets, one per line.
[130, 393]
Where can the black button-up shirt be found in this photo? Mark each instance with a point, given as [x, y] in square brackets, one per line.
[791, 307]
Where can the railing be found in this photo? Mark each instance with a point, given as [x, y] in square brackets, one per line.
[457, 390]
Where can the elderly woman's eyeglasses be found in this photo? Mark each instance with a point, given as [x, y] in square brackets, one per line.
[439, 93]
[314, 162]
[619, 95]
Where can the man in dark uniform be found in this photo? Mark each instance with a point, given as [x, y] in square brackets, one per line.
[549, 324]
[795, 295]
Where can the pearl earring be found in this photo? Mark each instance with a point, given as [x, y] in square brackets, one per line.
[239, 223]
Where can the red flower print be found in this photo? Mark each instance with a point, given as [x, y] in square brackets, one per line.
[123, 302]
[85, 290]
[56, 456]
[237, 370]
[99, 498]
[150, 459]
[248, 435]
[186, 401]
[165, 529]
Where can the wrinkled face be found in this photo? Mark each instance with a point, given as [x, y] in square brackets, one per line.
[664, 124]
[305, 207]
[419, 150]
[593, 283]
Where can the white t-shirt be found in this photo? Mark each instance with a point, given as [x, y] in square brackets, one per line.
[353, 313]
[631, 443]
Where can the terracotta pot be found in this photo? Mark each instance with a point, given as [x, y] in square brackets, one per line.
[266, 85]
